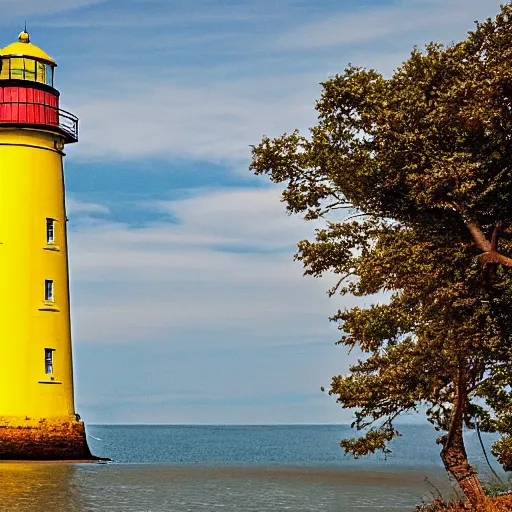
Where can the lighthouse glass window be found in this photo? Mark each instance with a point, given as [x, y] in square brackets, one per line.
[50, 231]
[5, 69]
[48, 290]
[48, 360]
[17, 68]
[20, 68]
[30, 69]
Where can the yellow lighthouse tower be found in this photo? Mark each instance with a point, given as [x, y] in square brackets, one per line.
[37, 412]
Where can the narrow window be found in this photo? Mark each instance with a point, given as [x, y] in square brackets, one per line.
[4, 73]
[41, 72]
[48, 290]
[48, 360]
[17, 68]
[49, 74]
[30, 69]
[50, 231]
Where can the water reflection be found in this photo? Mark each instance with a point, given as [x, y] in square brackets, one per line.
[38, 487]
[55, 487]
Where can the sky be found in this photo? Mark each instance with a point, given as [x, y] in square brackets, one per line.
[187, 306]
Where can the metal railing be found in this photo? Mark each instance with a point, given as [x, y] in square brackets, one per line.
[36, 113]
[68, 122]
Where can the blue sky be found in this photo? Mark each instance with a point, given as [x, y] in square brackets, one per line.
[187, 306]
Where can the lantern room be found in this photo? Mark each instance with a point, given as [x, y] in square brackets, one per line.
[24, 61]
[28, 98]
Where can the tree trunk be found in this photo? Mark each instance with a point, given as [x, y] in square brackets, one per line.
[454, 455]
[456, 463]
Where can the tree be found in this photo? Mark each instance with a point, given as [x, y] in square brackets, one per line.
[423, 163]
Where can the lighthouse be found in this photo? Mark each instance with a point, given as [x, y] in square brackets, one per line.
[37, 412]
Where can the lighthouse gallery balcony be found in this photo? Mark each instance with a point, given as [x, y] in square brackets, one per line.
[34, 108]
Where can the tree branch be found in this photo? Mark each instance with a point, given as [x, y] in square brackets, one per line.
[495, 257]
[479, 238]
[489, 248]
[495, 233]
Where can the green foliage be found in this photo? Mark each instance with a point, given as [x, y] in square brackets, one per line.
[424, 161]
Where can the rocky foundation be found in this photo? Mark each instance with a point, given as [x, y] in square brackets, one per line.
[43, 439]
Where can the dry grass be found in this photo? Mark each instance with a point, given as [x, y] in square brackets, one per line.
[497, 504]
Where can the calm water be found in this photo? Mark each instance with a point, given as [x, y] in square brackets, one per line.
[232, 468]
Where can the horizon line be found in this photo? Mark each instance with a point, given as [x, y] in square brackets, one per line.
[231, 424]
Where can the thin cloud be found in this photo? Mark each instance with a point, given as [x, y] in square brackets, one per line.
[207, 272]
[11, 9]
[74, 206]
[364, 25]
[159, 15]
[216, 122]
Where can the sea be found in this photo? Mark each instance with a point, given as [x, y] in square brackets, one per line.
[242, 468]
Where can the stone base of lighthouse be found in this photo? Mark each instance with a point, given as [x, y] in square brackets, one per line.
[43, 439]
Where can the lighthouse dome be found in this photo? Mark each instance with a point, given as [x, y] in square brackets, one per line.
[24, 48]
